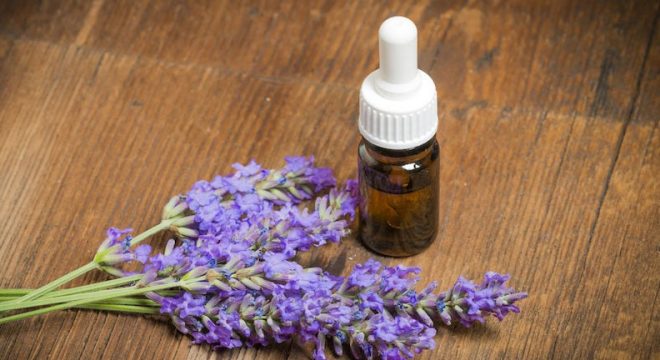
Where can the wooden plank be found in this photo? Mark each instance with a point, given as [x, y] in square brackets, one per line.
[548, 133]
[304, 39]
[622, 266]
[58, 21]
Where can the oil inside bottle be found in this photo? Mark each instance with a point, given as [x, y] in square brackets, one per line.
[399, 198]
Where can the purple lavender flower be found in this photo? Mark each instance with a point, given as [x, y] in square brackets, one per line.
[221, 205]
[364, 275]
[116, 250]
[220, 332]
[321, 178]
[189, 305]
[250, 169]
[467, 302]
[370, 300]
[398, 278]
[171, 262]
[399, 337]
[142, 253]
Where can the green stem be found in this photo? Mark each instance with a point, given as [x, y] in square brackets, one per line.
[101, 295]
[8, 294]
[118, 308]
[14, 292]
[81, 289]
[79, 299]
[143, 305]
[58, 282]
[137, 301]
[130, 301]
[96, 286]
[106, 307]
[163, 225]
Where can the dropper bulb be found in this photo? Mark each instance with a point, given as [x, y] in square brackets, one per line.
[397, 44]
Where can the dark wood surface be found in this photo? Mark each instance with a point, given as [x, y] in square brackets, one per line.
[550, 160]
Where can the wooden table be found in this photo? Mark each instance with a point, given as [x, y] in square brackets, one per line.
[550, 160]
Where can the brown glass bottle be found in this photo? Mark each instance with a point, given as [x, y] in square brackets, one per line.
[398, 198]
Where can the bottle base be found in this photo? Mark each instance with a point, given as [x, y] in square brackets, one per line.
[385, 248]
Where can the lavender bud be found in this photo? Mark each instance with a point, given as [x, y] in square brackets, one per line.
[184, 221]
[250, 284]
[174, 208]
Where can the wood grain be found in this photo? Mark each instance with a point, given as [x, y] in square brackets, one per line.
[550, 153]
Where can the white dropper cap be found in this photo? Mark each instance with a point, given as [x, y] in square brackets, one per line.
[398, 102]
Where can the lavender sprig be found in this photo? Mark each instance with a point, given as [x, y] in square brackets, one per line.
[221, 204]
[468, 303]
[375, 311]
[241, 259]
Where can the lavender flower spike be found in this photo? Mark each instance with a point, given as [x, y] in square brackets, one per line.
[467, 302]
[374, 311]
[220, 205]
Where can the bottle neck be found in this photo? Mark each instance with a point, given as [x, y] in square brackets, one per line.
[385, 155]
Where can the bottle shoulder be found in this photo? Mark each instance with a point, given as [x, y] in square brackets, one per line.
[408, 160]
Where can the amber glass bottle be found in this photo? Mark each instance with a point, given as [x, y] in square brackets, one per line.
[398, 159]
[399, 198]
